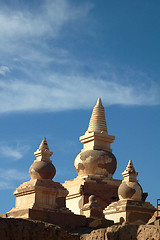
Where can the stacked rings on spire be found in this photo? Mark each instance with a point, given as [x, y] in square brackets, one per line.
[98, 121]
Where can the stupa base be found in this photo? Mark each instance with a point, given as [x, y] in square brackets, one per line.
[80, 188]
[130, 212]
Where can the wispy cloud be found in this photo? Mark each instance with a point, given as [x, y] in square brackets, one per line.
[44, 76]
[45, 19]
[4, 70]
[72, 92]
[32, 30]
[9, 177]
[13, 152]
[6, 185]
[12, 174]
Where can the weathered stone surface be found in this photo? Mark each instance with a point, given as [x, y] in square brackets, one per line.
[99, 223]
[18, 229]
[95, 162]
[106, 191]
[127, 232]
[148, 233]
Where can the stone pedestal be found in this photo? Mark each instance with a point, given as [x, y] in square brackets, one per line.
[105, 190]
[128, 211]
[92, 209]
[40, 194]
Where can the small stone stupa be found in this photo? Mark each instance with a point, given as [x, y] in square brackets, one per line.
[41, 198]
[95, 165]
[131, 207]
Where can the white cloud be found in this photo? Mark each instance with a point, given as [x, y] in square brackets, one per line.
[13, 153]
[5, 185]
[12, 174]
[72, 92]
[4, 70]
[25, 28]
[29, 36]
[9, 177]
[25, 42]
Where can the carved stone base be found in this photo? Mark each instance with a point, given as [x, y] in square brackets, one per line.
[131, 212]
[81, 188]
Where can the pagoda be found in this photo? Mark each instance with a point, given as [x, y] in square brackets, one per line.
[41, 198]
[95, 166]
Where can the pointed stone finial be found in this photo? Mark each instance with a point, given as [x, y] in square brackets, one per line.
[99, 102]
[43, 153]
[98, 120]
[130, 173]
[44, 145]
[130, 168]
[42, 168]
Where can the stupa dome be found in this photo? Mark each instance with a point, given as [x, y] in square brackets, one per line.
[42, 168]
[130, 189]
[95, 162]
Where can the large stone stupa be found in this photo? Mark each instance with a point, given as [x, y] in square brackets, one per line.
[95, 166]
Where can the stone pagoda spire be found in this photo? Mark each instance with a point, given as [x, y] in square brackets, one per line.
[44, 145]
[98, 120]
[96, 157]
[130, 174]
[96, 137]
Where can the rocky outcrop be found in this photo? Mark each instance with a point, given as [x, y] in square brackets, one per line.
[127, 232]
[18, 229]
[21, 229]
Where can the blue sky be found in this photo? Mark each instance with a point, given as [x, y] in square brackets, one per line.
[56, 58]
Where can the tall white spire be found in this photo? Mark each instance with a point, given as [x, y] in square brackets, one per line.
[96, 137]
[98, 120]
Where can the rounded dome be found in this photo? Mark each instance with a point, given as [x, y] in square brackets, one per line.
[95, 162]
[42, 170]
[130, 190]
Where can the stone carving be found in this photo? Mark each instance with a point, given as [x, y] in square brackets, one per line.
[92, 209]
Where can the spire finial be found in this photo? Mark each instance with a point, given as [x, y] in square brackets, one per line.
[99, 101]
[98, 120]
[44, 145]
[130, 172]
[130, 168]
[42, 168]
[43, 153]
